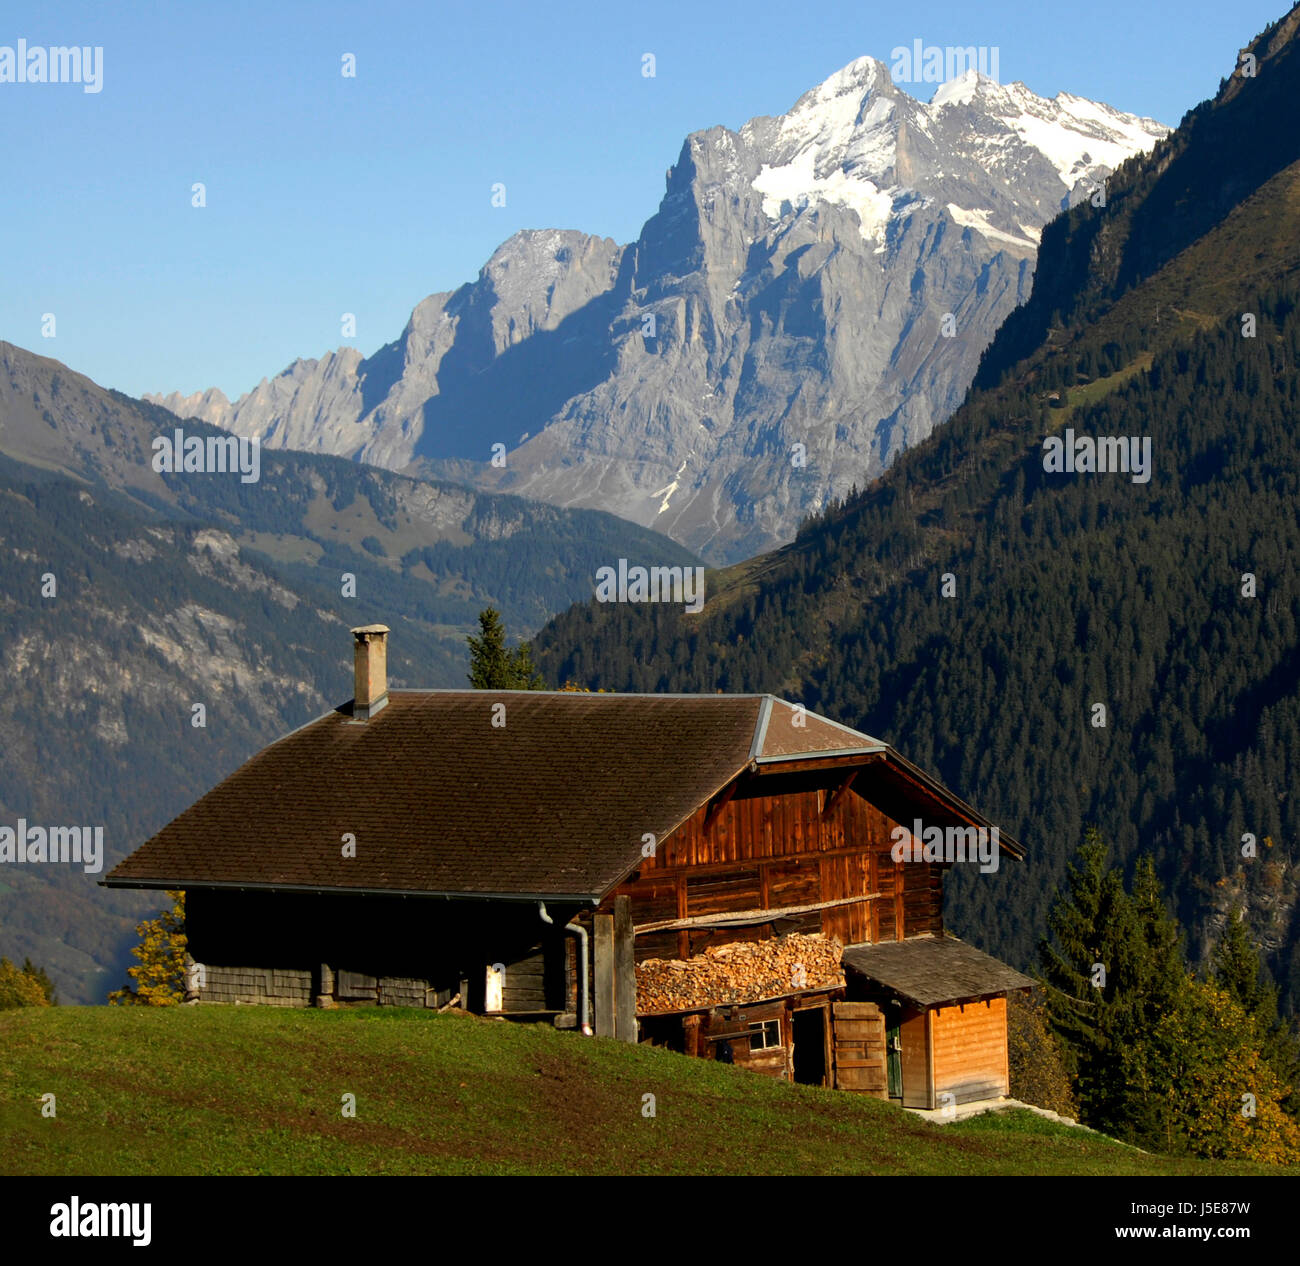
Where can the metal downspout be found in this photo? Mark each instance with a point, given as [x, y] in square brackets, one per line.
[584, 1021]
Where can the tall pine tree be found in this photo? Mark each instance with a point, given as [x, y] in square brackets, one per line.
[495, 666]
[1111, 967]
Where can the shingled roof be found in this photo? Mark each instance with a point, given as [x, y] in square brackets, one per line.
[933, 970]
[554, 803]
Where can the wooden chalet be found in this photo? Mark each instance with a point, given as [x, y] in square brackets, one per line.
[711, 873]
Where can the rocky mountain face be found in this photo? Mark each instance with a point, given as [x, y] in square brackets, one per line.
[811, 299]
[105, 661]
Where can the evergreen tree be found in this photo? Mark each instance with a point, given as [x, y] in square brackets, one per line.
[526, 675]
[1235, 964]
[1152, 984]
[1072, 957]
[1163, 1061]
[1236, 969]
[495, 666]
[1112, 967]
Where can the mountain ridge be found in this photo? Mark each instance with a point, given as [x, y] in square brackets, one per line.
[792, 289]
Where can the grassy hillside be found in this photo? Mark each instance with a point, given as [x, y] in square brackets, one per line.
[196, 1090]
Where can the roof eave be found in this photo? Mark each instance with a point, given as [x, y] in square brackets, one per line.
[960, 1000]
[1006, 843]
[187, 885]
[635, 864]
[830, 754]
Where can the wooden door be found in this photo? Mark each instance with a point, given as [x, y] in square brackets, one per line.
[915, 1033]
[894, 1053]
[859, 1040]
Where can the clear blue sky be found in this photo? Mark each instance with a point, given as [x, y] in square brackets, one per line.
[329, 195]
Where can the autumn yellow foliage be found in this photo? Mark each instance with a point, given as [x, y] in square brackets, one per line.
[1037, 1068]
[19, 988]
[1222, 1095]
[160, 974]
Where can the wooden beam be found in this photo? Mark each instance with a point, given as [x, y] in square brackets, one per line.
[929, 1059]
[624, 972]
[750, 916]
[829, 1079]
[691, 1034]
[604, 1001]
[839, 793]
[683, 936]
[720, 803]
[829, 991]
[806, 764]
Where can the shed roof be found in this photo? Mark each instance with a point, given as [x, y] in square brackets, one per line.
[933, 970]
[554, 803]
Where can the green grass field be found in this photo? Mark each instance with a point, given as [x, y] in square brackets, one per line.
[252, 1090]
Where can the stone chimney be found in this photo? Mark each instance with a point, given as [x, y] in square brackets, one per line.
[370, 660]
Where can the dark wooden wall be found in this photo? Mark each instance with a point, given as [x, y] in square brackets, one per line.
[730, 1027]
[441, 942]
[775, 845]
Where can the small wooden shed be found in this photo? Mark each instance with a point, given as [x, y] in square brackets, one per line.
[943, 1007]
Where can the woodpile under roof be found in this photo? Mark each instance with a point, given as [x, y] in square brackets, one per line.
[741, 973]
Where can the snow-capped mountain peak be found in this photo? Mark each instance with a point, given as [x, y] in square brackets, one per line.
[962, 90]
[847, 141]
[826, 278]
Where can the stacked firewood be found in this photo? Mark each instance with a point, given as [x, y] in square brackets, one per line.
[744, 972]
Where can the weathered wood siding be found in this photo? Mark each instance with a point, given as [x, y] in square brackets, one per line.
[970, 1051]
[922, 899]
[266, 986]
[524, 986]
[733, 1028]
[775, 845]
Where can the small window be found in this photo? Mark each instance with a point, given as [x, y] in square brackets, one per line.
[764, 1034]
